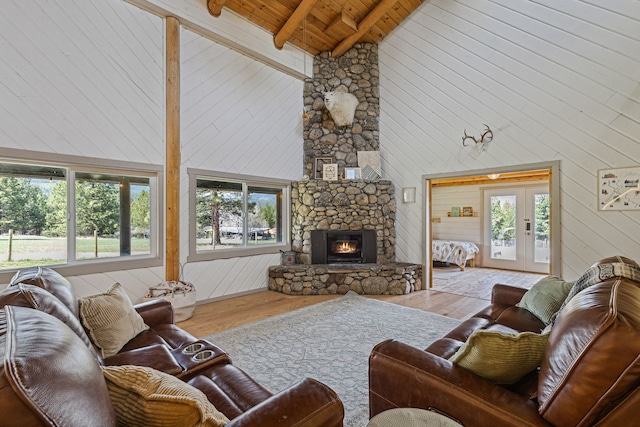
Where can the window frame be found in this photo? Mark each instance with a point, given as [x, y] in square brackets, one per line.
[247, 181]
[74, 164]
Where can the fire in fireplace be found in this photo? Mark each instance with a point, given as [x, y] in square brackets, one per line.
[344, 247]
[329, 247]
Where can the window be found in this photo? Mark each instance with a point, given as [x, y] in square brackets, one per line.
[236, 215]
[69, 214]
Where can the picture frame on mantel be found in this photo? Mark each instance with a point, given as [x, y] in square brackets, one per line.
[330, 172]
[352, 173]
[319, 165]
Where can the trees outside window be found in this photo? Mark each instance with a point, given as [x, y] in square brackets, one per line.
[236, 215]
[113, 214]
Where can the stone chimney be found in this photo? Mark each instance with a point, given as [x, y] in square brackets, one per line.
[347, 205]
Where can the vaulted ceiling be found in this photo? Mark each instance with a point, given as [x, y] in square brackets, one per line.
[321, 25]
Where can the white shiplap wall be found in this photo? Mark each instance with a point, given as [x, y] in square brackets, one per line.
[554, 79]
[84, 78]
[457, 228]
[237, 116]
[90, 82]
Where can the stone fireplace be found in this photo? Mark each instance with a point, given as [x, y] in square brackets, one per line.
[343, 247]
[347, 206]
[343, 231]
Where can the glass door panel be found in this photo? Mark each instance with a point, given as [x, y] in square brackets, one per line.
[503, 227]
[517, 229]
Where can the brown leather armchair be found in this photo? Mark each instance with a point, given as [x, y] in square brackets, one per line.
[590, 373]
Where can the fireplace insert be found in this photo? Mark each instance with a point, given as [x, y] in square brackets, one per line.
[331, 247]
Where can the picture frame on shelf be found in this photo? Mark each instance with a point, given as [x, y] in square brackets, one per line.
[319, 165]
[467, 211]
[455, 211]
[330, 172]
[352, 173]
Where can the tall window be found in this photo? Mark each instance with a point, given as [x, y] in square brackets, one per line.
[75, 215]
[235, 215]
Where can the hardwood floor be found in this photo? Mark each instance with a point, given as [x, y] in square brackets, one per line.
[446, 298]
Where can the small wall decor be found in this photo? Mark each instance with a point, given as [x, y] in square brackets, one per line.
[409, 195]
[370, 163]
[485, 137]
[619, 189]
[330, 171]
[467, 211]
[319, 166]
[455, 211]
[352, 173]
[341, 106]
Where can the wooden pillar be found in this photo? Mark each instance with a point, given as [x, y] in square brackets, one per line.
[172, 217]
[125, 217]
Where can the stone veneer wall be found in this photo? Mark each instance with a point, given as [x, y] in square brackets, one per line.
[347, 205]
[368, 279]
[355, 72]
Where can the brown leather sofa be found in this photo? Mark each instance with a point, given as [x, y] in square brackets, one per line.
[589, 375]
[57, 366]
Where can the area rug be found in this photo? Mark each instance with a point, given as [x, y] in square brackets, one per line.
[331, 342]
[478, 282]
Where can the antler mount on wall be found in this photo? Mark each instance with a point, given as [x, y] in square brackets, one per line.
[485, 137]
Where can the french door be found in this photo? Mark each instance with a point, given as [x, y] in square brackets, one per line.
[516, 229]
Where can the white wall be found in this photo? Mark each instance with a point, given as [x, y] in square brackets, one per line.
[457, 228]
[84, 79]
[237, 116]
[554, 79]
[87, 79]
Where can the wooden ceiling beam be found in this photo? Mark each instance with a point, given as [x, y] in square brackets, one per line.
[293, 22]
[215, 7]
[364, 26]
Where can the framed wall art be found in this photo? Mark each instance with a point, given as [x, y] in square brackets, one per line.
[330, 171]
[319, 165]
[619, 189]
[352, 173]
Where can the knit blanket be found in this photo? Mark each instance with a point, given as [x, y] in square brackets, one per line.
[597, 274]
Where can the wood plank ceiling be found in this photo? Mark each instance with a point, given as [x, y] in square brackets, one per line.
[321, 25]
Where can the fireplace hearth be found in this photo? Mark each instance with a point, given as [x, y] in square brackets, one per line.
[343, 247]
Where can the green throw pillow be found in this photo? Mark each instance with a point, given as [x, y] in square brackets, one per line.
[545, 298]
[501, 357]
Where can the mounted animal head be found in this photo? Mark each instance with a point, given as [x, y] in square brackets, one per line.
[329, 99]
[342, 106]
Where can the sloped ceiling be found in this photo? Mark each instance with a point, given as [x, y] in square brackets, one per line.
[321, 25]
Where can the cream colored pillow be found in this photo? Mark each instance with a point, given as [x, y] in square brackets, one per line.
[501, 357]
[110, 319]
[145, 397]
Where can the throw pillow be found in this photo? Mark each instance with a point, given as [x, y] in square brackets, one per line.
[599, 272]
[110, 319]
[501, 357]
[143, 396]
[545, 298]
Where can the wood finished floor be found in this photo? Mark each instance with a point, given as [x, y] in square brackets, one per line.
[457, 294]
